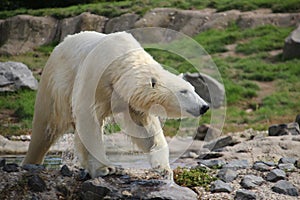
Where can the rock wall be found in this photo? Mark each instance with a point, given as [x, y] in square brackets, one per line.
[23, 33]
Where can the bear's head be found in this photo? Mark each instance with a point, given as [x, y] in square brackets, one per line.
[148, 88]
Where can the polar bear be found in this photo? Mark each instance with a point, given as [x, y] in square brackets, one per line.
[92, 76]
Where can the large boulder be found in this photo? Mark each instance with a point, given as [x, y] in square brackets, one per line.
[188, 22]
[15, 75]
[83, 22]
[122, 23]
[22, 33]
[254, 19]
[291, 47]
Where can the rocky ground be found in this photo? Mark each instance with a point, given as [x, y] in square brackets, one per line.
[245, 165]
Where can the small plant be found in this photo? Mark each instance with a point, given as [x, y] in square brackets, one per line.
[198, 176]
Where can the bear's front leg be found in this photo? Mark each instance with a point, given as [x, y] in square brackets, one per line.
[89, 162]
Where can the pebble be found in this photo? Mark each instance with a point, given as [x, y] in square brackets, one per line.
[33, 167]
[244, 195]
[288, 167]
[220, 143]
[285, 187]
[285, 160]
[297, 164]
[94, 189]
[2, 162]
[227, 175]
[11, 167]
[214, 163]
[83, 175]
[36, 183]
[65, 171]
[251, 181]
[220, 186]
[260, 166]
[276, 175]
[237, 164]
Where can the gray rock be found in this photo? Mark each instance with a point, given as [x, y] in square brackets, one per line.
[214, 163]
[15, 75]
[220, 186]
[122, 23]
[188, 22]
[291, 47]
[207, 133]
[288, 167]
[33, 167]
[2, 162]
[172, 192]
[244, 195]
[254, 19]
[285, 187]
[95, 189]
[284, 129]
[297, 164]
[83, 175]
[65, 171]
[276, 175]
[207, 87]
[260, 166]
[23, 33]
[298, 116]
[237, 164]
[251, 181]
[36, 183]
[11, 167]
[210, 155]
[220, 143]
[286, 160]
[227, 175]
[83, 22]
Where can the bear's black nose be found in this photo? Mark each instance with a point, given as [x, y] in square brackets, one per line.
[203, 109]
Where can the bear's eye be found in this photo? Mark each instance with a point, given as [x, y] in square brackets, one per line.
[153, 82]
[183, 91]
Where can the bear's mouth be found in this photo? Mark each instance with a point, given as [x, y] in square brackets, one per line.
[198, 112]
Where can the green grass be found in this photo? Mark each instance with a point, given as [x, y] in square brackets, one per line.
[117, 8]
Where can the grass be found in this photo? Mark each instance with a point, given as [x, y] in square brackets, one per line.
[193, 177]
[117, 8]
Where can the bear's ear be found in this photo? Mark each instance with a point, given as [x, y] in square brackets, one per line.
[153, 82]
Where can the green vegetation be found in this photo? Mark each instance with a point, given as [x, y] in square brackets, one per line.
[116, 8]
[194, 177]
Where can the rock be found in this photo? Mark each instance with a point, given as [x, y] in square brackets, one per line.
[83, 175]
[212, 163]
[288, 167]
[211, 90]
[11, 167]
[32, 32]
[227, 175]
[220, 186]
[63, 189]
[221, 20]
[260, 166]
[83, 22]
[188, 22]
[297, 164]
[237, 164]
[33, 167]
[244, 195]
[286, 160]
[276, 175]
[254, 19]
[122, 23]
[298, 116]
[220, 143]
[2, 162]
[207, 133]
[14, 76]
[172, 192]
[210, 155]
[95, 189]
[284, 129]
[285, 187]
[65, 171]
[251, 181]
[36, 183]
[291, 47]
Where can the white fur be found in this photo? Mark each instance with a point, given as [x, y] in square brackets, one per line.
[91, 76]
